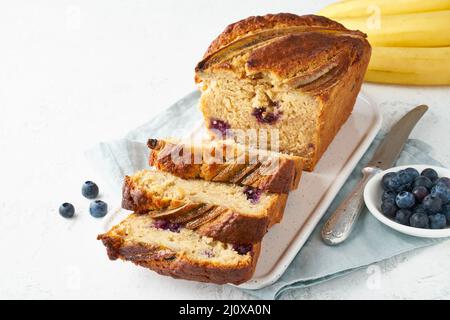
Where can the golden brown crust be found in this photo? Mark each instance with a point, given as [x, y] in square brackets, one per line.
[296, 49]
[337, 104]
[307, 57]
[284, 174]
[226, 226]
[256, 23]
[176, 264]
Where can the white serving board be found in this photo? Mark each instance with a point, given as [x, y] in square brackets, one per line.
[307, 204]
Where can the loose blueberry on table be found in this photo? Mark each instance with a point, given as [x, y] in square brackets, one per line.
[98, 208]
[416, 200]
[89, 190]
[67, 210]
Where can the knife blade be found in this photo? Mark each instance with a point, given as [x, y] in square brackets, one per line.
[392, 145]
[340, 224]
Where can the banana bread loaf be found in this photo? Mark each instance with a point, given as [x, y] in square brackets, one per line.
[294, 77]
[227, 161]
[225, 212]
[179, 252]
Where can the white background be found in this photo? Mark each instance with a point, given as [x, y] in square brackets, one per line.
[73, 73]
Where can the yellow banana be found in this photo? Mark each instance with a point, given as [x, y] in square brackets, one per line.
[363, 8]
[428, 29]
[417, 66]
[406, 78]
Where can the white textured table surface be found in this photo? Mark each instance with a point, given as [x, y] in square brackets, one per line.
[77, 72]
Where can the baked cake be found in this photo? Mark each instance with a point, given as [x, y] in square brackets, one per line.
[294, 77]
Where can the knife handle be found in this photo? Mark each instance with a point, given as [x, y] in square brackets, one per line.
[340, 224]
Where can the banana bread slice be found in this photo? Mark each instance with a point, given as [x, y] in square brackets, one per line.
[226, 212]
[227, 161]
[293, 79]
[179, 252]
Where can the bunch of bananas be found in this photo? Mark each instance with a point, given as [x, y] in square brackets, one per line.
[410, 38]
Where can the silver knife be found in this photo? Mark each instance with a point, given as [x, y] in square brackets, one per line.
[340, 224]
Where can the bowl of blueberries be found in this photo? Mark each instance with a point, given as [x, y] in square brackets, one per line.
[414, 200]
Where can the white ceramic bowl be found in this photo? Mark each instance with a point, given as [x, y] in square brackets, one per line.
[372, 198]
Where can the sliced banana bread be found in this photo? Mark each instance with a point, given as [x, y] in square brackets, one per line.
[225, 212]
[295, 78]
[179, 252]
[227, 161]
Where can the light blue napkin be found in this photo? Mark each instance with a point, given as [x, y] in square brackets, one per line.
[370, 241]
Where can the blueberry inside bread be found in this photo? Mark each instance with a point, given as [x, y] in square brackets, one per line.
[226, 212]
[297, 76]
[227, 161]
[180, 253]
